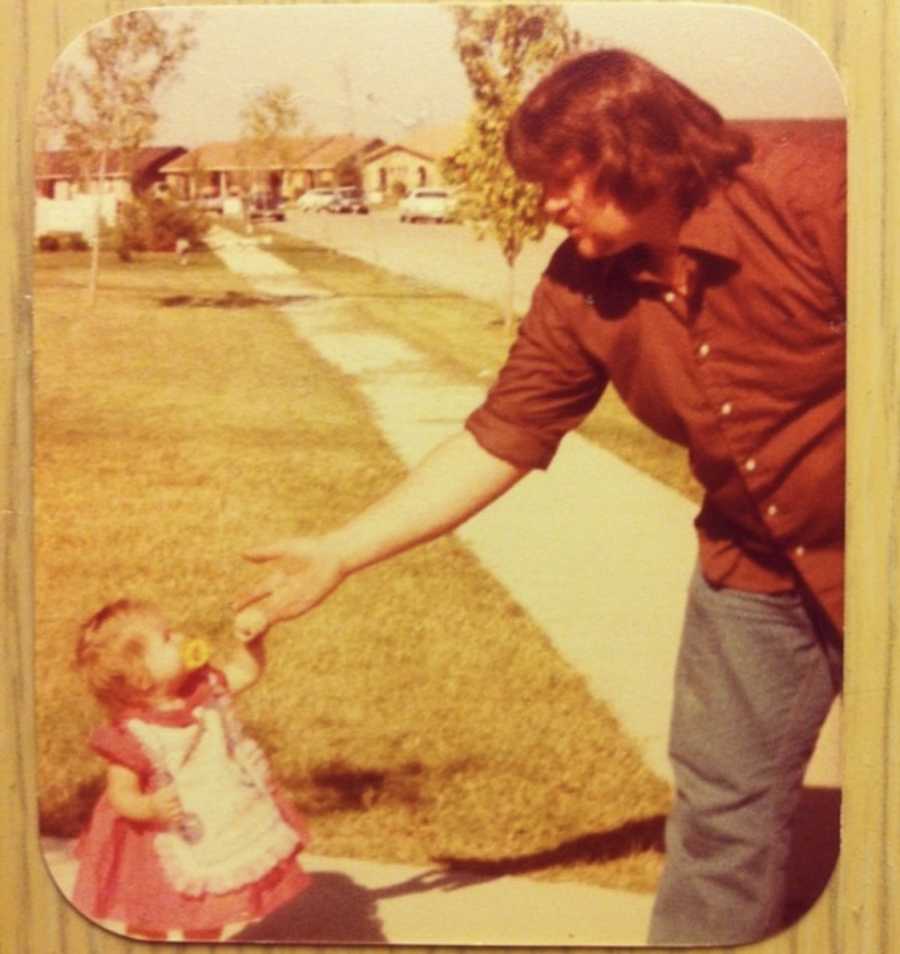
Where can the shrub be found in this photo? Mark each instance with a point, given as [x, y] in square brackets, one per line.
[62, 241]
[155, 224]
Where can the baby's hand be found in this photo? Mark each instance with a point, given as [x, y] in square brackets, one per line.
[166, 806]
[250, 623]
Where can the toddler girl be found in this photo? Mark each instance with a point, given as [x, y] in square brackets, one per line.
[190, 840]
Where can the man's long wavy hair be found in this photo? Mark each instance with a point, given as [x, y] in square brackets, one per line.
[641, 132]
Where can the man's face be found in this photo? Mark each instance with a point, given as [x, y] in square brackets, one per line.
[598, 225]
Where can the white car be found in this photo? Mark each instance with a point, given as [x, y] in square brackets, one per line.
[315, 200]
[427, 205]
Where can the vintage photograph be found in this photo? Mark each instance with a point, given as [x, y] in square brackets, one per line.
[439, 464]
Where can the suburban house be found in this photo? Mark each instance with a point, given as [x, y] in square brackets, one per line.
[62, 174]
[285, 168]
[412, 162]
[71, 195]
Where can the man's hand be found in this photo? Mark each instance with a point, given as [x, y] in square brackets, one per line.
[305, 570]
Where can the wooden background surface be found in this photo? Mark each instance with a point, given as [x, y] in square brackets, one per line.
[860, 913]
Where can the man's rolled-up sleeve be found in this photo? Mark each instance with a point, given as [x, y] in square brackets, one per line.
[547, 386]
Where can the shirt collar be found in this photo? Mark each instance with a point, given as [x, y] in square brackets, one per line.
[709, 229]
[707, 236]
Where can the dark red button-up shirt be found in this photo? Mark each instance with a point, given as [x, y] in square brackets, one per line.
[747, 372]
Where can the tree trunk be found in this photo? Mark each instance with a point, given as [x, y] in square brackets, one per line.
[95, 248]
[509, 309]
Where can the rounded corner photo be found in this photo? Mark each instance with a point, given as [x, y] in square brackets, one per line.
[438, 474]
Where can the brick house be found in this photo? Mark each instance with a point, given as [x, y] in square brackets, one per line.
[71, 197]
[411, 162]
[61, 174]
[287, 169]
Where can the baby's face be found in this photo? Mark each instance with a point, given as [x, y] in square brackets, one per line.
[162, 649]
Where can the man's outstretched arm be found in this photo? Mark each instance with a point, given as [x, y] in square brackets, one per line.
[456, 480]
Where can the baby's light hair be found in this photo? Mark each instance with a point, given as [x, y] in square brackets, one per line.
[111, 656]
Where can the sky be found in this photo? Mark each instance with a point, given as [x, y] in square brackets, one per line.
[386, 69]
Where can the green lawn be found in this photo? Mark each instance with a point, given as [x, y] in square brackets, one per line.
[168, 437]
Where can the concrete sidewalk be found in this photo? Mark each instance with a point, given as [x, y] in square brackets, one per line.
[362, 902]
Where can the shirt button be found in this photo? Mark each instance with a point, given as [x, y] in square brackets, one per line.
[726, 408]
[750, 464]
[703, 350]
[772, 510]
[669, 297]
[799, 551]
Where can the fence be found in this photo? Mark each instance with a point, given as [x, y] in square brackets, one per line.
[79, 214]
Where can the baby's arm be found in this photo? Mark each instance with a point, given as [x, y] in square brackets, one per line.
[124, 792]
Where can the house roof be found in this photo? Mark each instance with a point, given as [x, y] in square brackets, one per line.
[338, 148]
[299, 152]
[64, 163]
[428, 142]
[435, 141]
[383, 151]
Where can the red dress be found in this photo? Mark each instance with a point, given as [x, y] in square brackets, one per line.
[234, 857]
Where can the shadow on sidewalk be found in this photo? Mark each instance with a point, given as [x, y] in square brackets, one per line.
[336, 910]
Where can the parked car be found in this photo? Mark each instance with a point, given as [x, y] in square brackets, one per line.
[266, 205]
[314, 200]
[427, 205]
[349, 199]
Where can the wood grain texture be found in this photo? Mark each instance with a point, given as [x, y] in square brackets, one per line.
[860, 912]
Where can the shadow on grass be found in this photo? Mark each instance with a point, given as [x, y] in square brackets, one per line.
[631, 838]
[232, 299]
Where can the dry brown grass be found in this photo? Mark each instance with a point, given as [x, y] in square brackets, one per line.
[419, 714]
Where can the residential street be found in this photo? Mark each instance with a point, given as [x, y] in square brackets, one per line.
[447, 255]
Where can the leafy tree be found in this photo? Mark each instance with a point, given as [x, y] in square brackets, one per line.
[503, 49]
[103, 103]
[269, 119]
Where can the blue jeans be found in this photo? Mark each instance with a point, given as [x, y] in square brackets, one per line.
[755, 679]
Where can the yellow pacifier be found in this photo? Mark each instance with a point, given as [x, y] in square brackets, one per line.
[195, 653]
